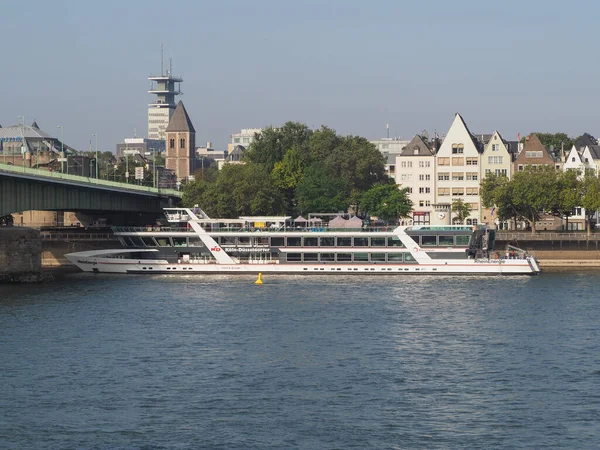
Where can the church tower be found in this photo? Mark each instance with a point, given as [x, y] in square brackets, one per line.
[180, 143]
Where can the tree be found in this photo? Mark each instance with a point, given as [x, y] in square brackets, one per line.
[590, 197]
[569, 194]
[271, 144]
[193, 194]
[496, 192]
[320, 190]
[534, 190]
[387, 201]
[461, 209]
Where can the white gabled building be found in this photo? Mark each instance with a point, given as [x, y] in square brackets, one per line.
[457, 170]
[415, 169]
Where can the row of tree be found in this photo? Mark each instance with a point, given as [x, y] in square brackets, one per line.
[538, 190]
[295, 170]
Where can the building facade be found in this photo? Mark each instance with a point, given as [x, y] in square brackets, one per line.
[457, 171]
[161, 110]
[415, 170]
[141, 146]
[180, 144]
[243, 138]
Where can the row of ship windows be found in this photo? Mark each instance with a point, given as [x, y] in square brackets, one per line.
[350, 257]
[297, 241]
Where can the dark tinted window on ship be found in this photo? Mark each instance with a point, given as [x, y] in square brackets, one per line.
[395, 257]
[327, 256]
[408, 258]
[137, 242]
[343, 257]
[327, 242]
[294, 241]
[344, 242]
[149, 242]
[311, 242]
[395, 241]
[361, 257]
[379, 257]
[428, 241]
[361, 241]
[294, 257]
[277, 242]
[446, 241]
[180, 241]
[163, 242]
[311, 257]
[378, 242]
[462, 240]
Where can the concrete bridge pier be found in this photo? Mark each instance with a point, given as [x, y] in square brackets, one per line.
[20, 255]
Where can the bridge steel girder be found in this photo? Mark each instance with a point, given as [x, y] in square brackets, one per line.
[25, 194]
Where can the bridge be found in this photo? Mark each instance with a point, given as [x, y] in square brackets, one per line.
[27, 189]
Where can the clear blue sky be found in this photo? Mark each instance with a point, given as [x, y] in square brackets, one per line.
[514, 66]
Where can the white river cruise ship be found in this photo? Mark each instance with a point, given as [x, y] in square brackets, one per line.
[195, 243]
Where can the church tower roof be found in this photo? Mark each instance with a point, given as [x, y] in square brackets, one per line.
[180, 121]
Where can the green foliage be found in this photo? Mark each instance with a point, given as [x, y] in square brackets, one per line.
[320, 190]
[461, 209]
[590, 196]
[386, 201]
[569, 194]
[307, 172]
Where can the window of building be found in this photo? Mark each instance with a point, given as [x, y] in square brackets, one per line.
[458, 161]
[443, 161]
[171, 143]
[471, 161]
[424, 177]
[424, 190]
[416, 151]
[573, 159]
[182, 143]
[421, 203]
[472, 191]
[392, 169]
[458, 149]
[471, 221]
[406, 177]
[458, 191]
[443, 192]
[495, 147]
[424, 163]
[458, 176]
[500, 172]
[443, 176]
[385, 146]
[427, 202]
[472, 176]
[495, 159]
[520, 168]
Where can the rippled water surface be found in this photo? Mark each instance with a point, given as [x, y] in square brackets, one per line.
[169, 362]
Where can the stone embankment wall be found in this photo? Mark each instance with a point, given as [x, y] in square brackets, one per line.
[53, 252]
[20, 255]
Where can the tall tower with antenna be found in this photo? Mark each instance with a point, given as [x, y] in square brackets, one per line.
[164, 87]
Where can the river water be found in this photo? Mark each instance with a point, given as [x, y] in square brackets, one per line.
[407, 362]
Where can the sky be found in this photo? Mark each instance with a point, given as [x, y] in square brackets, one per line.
[355, 66]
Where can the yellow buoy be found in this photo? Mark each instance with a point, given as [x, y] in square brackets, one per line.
[259, 279]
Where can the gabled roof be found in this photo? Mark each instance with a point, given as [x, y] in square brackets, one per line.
[476, 143]
[512, 147]
[585, 140]
[417, 143]
[180, 121]
[594, 151]
[35, 125]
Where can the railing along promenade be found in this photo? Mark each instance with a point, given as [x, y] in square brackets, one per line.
[62, 236]
[87, 180]
[546, 236]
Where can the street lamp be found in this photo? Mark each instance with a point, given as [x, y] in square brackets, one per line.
[96, 136]
[62, 148]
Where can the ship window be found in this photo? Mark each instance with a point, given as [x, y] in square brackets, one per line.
[378, 242]
[128, 242]
[327, 256]
[311, 242]
[326, 242]
[295, 241]
[137, 242]
[163, 242]
[195, 242]
[446, 241]
[149, 242]
[277, 242]
[294, 257]
[361, 257]
[396, 257]
[462, 240]
[408, 258]
[180, 242]
[344, 242]
[311, 257]
[378, 257]
[429, 241]
[361, 241]
[395, 242]
[344, 257]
